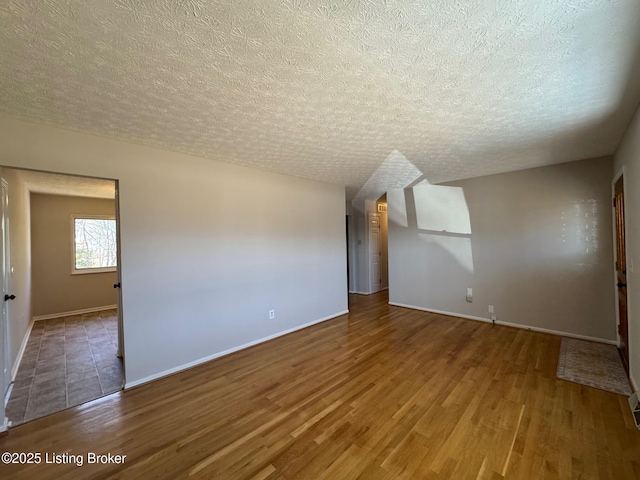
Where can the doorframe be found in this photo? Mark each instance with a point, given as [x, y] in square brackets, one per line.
[120, 351]
[4, 361]
[4, 426]
[620, 173]
[369, 252]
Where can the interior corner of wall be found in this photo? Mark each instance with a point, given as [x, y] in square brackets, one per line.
[358, 206]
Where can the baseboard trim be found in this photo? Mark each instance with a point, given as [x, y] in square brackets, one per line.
[360, 293]
[208, 358]
[74, 312]
[23, 346]
[558, 332]
[508, 324]
[5, 425]
[440, 312]
[7, 395]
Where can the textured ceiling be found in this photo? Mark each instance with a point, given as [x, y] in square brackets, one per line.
[54, 184]
[330, 90]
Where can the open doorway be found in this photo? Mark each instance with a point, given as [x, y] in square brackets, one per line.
[378, 246]
[367, 247]
[63, 328]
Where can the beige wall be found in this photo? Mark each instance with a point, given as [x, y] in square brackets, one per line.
[536, 244]
[204, 257]
[628, 156]
[20, 262]
[55, 289]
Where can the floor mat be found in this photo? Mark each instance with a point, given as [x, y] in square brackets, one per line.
[594, 364]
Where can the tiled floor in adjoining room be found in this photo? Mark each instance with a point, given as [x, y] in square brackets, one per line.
[67, 361]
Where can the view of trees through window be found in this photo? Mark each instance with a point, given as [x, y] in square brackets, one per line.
[95, 240]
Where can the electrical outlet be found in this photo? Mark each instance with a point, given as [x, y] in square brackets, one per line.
[470, 295]
[490, 308]
[272, 314]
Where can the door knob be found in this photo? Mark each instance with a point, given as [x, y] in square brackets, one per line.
[9, 297]
[116, 285]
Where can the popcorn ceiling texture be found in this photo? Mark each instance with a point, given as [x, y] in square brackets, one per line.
[329, 90]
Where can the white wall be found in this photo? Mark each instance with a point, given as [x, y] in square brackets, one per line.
[536, 244]
[204, 256]
[628, 155]
[20, 261]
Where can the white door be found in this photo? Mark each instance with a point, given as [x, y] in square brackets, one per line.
[374, 252]
[7, 296]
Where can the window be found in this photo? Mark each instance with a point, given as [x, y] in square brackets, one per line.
[94, 244]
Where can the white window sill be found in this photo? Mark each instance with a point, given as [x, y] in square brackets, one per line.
[86, 271]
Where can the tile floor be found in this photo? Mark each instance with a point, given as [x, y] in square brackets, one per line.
[67, 361]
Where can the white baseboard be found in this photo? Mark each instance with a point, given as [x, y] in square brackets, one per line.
[5, 425]
[558, 332]
[23, 346]
[74, 312]
[7, 396]
[508, 324]
[208, 358]
[441, 312]
[360, 293]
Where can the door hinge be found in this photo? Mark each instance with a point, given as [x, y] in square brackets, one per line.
[614, 202]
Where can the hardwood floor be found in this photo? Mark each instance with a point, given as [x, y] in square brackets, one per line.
[383, 392]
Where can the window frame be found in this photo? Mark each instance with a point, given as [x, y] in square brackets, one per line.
[85, 271]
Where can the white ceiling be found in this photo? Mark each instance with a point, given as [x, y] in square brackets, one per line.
[54, 184]
[331, 90]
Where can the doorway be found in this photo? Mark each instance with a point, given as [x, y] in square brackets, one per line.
[621, 269]
[6, 288]
[374, 253]
[66, 320]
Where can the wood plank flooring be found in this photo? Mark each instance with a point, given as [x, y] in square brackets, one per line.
[381, 393]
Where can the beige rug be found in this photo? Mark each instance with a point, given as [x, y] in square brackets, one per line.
[593, 364]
